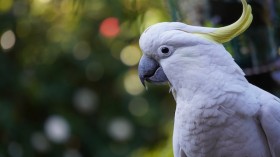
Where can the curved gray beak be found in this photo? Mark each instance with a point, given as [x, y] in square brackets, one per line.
[149, 70]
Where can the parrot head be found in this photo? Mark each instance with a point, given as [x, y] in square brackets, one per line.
[170, 43]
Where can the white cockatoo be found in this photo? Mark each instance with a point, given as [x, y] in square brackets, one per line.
[218, 112]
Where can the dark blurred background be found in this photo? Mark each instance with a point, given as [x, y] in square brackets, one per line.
[68, 73]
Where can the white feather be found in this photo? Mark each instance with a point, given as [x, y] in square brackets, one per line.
[218, 113]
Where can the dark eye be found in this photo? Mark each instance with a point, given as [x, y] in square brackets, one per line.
[165, 50]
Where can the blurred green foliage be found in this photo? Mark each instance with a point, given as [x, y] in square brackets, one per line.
[69, 84]
[66, 90]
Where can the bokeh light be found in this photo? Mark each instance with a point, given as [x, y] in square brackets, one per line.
[110, 27]
[120, 129]
[81, 50]
[57, 129]
[130, 55]
[85, 100]
[132, 83]
[40, 142]
[55, 34]
[8, 40]
[5, 5]
[15, 149]
[44, 1]
[39, 7]
[138, 106]
[151, 17]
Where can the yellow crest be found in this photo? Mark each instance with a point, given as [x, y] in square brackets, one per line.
[225, 34]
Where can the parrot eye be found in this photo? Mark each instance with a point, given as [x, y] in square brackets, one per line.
[165, 50]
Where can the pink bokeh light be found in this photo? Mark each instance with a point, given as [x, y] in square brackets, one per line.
[110, 27]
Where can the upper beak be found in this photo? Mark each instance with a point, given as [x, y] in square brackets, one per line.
[149, 70]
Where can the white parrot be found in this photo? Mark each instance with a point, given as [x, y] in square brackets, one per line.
[218, 112]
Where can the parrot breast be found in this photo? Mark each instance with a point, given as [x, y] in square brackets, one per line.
[212, 120]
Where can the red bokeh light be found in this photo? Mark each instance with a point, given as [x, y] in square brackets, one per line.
[110, 27]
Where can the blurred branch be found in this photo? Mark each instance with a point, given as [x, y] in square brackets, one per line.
[174, 10]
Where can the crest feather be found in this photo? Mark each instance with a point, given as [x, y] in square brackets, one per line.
[225, 34]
